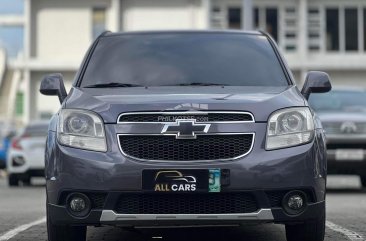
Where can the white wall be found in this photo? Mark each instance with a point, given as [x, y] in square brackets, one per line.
[162, 14]
[62, 29]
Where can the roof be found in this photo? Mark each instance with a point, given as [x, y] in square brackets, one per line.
[107, 34]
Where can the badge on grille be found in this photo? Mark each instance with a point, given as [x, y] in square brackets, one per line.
[185, 129]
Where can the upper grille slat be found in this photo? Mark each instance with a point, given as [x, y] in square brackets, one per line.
[198, 116]
[185, 136]
[167, 148]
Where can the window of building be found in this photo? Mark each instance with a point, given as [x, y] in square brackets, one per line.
[351, 28]
[256, 17]
[290, 22]
[234, 18]
[314, 28]
[291, 10]
[99, 21]
[332, 29]
[290, 47]
[313, 11]
[19, 104]
[272, 22]
[314, 47]
[291, 35]
[264, 18]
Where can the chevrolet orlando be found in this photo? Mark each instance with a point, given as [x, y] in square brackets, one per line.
[181, 129]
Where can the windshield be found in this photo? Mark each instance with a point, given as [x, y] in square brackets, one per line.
[169, 59]
[347, 101]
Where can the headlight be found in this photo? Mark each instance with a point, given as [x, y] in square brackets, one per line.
[81, 129]
[289, 127]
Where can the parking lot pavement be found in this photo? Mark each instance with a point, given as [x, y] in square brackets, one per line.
[346, 214]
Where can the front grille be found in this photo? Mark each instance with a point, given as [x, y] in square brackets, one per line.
[200, 203]
[199, 117]
[334, 128]
[168, 148]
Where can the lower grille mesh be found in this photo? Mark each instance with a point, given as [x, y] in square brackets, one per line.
[203, 203]
[168, 148]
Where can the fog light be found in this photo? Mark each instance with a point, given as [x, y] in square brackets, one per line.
[78, 204]
[294, 202]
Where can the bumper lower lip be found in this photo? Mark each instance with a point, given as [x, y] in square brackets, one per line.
[261, 215]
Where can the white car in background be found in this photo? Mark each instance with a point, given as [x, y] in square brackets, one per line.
[26, 154]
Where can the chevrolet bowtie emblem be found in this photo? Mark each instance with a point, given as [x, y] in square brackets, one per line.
[185, 129]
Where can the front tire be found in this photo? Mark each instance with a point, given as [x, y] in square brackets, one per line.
[13, 180]
[64, 232]
[309, 231]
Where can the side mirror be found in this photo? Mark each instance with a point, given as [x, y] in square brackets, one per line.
[53, 84]
[316, 82]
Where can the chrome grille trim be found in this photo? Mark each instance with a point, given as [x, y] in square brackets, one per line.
[186, 113]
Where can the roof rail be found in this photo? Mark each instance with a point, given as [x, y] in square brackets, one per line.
[265, 33]
[104, 33]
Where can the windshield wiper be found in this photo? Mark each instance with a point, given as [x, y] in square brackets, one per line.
[201, 84]
[111, 84]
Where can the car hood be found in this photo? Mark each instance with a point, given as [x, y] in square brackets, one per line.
[110, 102]
[328, 117]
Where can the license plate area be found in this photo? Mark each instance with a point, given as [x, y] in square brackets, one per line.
[181, 180]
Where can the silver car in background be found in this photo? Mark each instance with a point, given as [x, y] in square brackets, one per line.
[343, 115]
[26, 154]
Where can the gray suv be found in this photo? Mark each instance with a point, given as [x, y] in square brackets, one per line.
[185, 128]
[343, 115]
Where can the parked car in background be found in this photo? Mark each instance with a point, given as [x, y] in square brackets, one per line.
[4, 146]
[26, 154]
[7, 132]
[343, 115]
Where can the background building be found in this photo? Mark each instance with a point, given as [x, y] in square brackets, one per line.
[328, 35]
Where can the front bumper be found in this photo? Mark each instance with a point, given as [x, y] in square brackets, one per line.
[297, 168]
